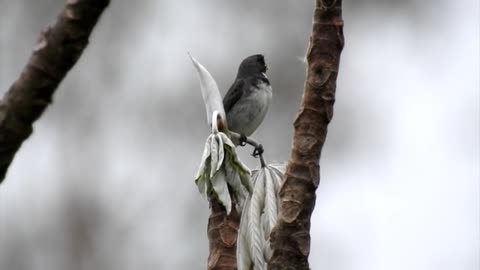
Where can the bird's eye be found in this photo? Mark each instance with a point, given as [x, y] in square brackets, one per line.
[261, 60]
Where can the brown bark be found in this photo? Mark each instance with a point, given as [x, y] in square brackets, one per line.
[58, 48]
[291, 236]
[222, 237]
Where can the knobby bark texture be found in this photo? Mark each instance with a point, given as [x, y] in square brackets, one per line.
[291, 236]
[57, 49]
[222, 233]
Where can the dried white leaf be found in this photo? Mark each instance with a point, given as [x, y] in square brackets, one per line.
[202, 185]
[227, 140]
[244, 261]
[210, 93]
[213, 155]
[220, 187]
[271, 207]
[259, 216]
[254, 220]
[221, 151]
[205, 156]
[246, 182]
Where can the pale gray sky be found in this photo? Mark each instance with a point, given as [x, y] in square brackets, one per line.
[106, 180]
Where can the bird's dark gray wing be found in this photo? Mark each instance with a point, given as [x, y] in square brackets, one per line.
[233, 94]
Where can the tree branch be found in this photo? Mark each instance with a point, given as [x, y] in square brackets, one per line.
[291, 236]
[222, 234]
[57, 50]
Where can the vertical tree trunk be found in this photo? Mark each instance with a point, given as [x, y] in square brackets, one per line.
[222, 237]
[291, 236]
[58, 48]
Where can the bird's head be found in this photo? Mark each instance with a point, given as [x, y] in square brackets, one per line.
[252, 65]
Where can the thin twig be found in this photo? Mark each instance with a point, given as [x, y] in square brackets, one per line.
[253, 143]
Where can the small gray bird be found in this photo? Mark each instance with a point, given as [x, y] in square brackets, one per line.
[246, 102]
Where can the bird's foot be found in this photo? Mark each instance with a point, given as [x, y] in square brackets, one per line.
[258, 151]
[243, 140]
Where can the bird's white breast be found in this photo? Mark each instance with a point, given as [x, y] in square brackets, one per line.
[248, 114]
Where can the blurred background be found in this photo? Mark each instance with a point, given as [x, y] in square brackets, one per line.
[106, 180]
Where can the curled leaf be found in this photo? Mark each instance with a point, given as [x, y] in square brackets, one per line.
[222, 173]
[213, 155]
[227, 140]
[210, 93]
[220, 187]
[205, 155]
[221, 151]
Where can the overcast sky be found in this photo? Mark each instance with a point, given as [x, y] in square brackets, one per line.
[106, 180]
